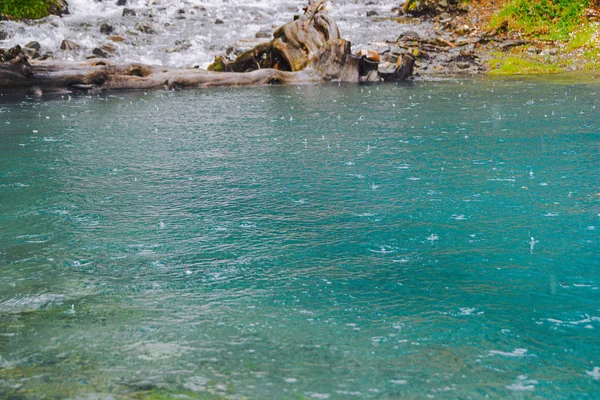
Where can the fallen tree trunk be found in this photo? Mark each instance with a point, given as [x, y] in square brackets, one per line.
[308, 50]
[99, 75]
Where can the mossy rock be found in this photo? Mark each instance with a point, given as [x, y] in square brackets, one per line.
[32, 9]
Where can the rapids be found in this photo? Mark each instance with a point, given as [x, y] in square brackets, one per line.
[187, 33]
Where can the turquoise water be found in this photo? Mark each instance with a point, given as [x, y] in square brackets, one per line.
[433, 239]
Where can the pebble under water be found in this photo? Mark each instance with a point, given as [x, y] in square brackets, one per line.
[426, 239]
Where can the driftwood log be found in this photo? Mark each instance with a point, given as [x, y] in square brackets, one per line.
[307, 50]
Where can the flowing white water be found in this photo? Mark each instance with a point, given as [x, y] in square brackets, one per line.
[185, 32]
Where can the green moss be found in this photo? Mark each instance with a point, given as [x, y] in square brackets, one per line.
[218, 65]
[25, 9]
[504, 64]
[546, 19]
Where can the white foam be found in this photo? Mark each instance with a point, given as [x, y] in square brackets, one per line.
[595, 373]
[514, 353]
[467, 311]
[433, 237]
[191, 38]
[32, 302]
[520, 387]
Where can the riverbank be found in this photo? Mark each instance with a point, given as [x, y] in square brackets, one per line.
[504, 37]
[447, 38]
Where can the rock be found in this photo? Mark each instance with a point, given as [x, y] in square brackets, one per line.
[553, 51]
[109, 48]
[463, 30]
[408, 35]
[15, 62]
[33, 45]
[58, 7]
[121, 3]
[117, 38]
[463, 65]
[146, 28]
[508, 44]
[369, 55]
[3, 35]
[128, 12]
[420, 7]
[32, 50]
[263, 35]
[402, 70]
[106, 29]
[98, 52]
[69, 45]
[371, 13]
[219, 21]
[46, 56]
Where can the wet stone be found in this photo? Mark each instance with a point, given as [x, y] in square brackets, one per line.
[146, 28]
[3, 35]
[117, 38]
[69, 45]
[371, 13]
[263, 35]
[121, 3]
[408, 35]
[219, 21]
[106, 29]
[98, 52]
[128, 12]
[33, 45]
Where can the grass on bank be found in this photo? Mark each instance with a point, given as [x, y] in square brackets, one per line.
[25, 9]
[544, 19]
[564, 34]
[511, 64]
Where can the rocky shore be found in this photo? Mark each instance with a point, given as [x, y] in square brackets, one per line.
[432, 38]
[308, 49]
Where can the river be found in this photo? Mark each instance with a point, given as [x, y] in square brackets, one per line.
[426, 239]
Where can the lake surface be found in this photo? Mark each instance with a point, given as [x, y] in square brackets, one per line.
[426, 239]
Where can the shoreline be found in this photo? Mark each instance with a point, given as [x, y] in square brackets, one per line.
[451, 41]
